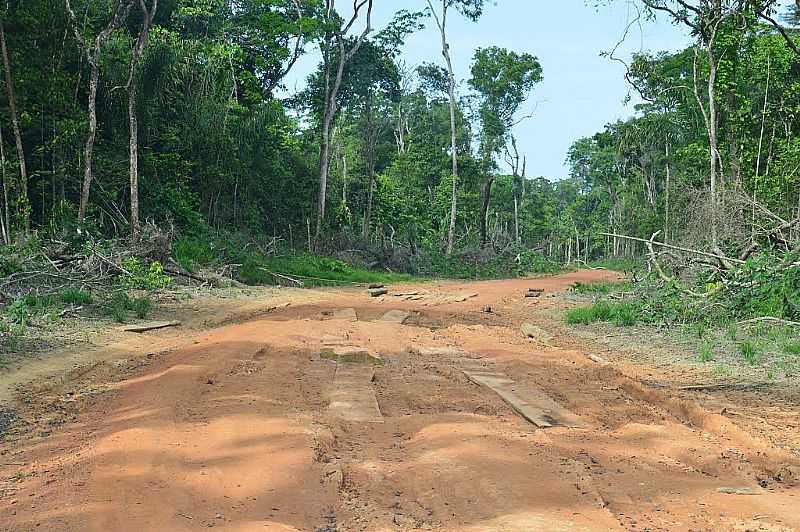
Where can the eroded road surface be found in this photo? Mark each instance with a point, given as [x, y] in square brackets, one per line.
[440, 416]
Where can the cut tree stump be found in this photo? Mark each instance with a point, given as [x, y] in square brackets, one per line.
[152, 326]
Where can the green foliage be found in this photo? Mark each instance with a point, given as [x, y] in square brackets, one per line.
[749, 352]
[600, 287]
[141, 306]
[620, 314]
[706, 353]
[193, 252]
[118, 306]
[144, 277]
[791, 347]
[312, 270]
[75, 296]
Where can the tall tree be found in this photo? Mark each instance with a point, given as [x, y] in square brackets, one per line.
[472, 9]
[337, 51]
[706, 19]
[138, 50]
[503, 80]
[119, 14]
[22, 203]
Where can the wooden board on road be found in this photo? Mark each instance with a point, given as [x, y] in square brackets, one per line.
[151, 326]
[533, 405]
[352, 397]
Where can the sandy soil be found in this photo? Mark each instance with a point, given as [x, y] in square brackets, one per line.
[230, 424]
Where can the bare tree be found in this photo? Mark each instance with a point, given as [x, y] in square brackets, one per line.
[441, 22]
[138, 51]
[514, 161]
[119, 13]
[705, 18]
[22, 188]
[335, 48]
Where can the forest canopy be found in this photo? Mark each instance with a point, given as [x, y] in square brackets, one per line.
[121, 114]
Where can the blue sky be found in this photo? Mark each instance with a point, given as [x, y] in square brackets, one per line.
[581, 91]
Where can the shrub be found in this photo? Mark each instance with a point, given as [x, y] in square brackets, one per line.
[145, 278]
[600, 287]
[141, 306]
[118, 306]
[193, 252]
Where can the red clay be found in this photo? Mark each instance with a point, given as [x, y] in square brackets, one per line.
[232, 432]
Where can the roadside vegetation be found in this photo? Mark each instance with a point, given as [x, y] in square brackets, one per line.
[751, 310]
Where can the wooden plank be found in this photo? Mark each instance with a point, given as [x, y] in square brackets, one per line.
[346, 314]
[151, 326]
[396, 316]
[533, 405]
[352, 397]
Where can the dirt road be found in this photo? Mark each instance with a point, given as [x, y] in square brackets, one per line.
[318, 417]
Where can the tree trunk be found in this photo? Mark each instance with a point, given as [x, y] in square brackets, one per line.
[486, 196]
[733, 144]
[22, 203]
[331, 92]
[667, 192]
[4, 214]
[451, 233]
[516, 218]
[713, 141]
[88, 150]
[133, 122]
[451, 93]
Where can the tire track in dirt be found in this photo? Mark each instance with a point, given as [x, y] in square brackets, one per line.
[234, 432]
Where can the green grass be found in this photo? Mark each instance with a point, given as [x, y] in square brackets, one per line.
[706, 353]
[192, 252]
[74, 296]
[600, 287]
[749, 352]
[791, 347]
[620, 314]
[141, 306]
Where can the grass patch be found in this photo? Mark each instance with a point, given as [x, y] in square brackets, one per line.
[620, 314]
[141, 306]
[749, 352]
[791, 347]
[706, 353]
[75, 296]
[192, 253]
[600, 287]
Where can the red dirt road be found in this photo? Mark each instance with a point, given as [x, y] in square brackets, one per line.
[234, 431]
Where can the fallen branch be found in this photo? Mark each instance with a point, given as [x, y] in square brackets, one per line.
[187, 275]
[771, 319]
[653, 259]
[677, 248]
[276, 275]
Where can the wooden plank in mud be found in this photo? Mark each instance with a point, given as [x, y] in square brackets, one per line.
[352, 396]
[152, 326]
[533, 405]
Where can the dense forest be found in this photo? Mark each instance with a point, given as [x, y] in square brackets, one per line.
[129, 117]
